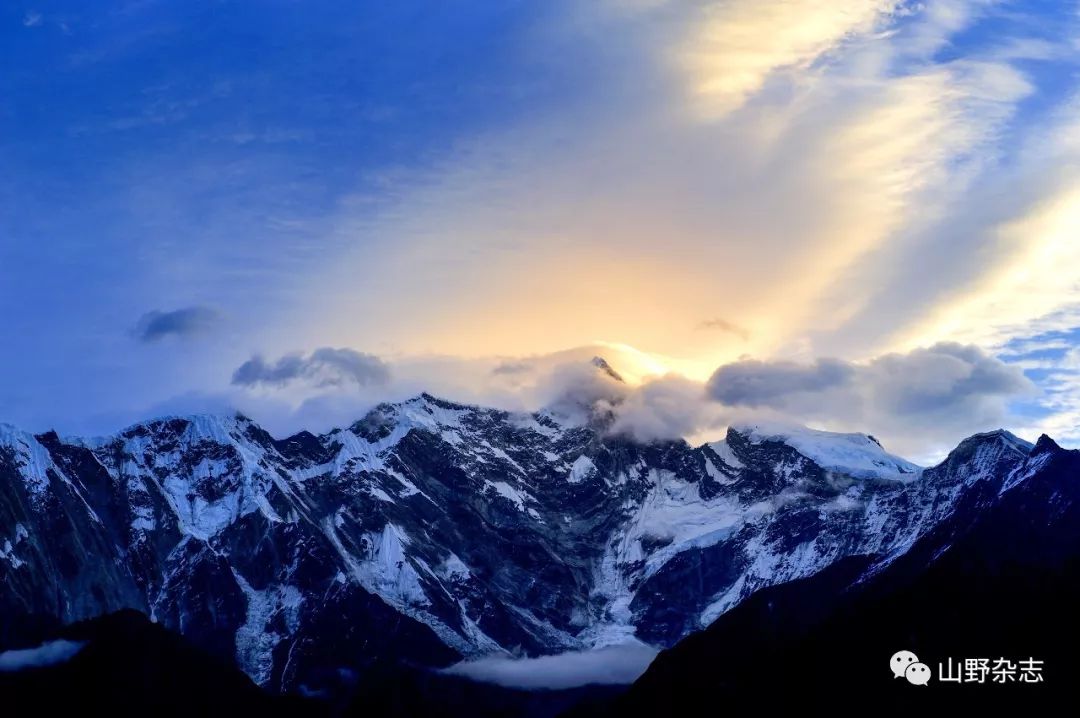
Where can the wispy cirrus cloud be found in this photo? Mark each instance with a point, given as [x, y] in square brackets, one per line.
[847, 180]
[784, 215]
[732, 48]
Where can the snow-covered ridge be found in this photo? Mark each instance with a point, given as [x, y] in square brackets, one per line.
[212, 427]
[1007, 438]
[29, 454]
[496, 530]
[857, 455]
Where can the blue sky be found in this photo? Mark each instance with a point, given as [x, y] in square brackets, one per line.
[162, 155]
[439, 189]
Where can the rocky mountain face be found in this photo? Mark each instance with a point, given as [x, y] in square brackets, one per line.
[430, 531]
[997, 581]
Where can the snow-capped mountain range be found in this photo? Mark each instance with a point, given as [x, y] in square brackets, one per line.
[1000, 576]
[429, 531]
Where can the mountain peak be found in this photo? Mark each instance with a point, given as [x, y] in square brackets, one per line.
[1045, 445]
[857, 455]
[1006, 439]
[602, 364]
[216, 426]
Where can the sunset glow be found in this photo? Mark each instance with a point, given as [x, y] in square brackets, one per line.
[677, 186]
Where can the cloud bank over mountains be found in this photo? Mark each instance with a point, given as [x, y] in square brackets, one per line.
[918, 402]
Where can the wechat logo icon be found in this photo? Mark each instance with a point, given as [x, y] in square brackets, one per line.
[905, 664]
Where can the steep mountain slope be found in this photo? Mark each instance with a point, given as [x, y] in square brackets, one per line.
[430, 530]
[999, 579]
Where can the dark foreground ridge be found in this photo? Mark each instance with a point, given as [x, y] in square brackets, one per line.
[127, 666]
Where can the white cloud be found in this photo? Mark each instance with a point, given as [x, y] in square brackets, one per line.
[611, 665]
[47, 654]
[834, 180]
[627, 219]
[922, 402]
[732, 49]
[324, 367]
[838, 200]
[1029, 281]
[293, 393]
